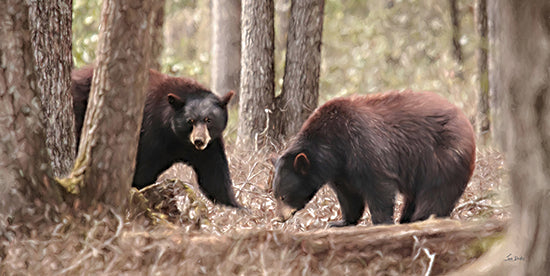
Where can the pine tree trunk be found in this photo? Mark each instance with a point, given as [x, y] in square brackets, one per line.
[257, 72]
[110, 134]
[523, 69]
[51, 37]
[282, 22]
[24, 161]
[300, 93]
[498, 136]
[455, 21]
[483, 122]
[226, 47]
[157, 34]
[525, 72]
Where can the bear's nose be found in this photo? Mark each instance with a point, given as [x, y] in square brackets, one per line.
[198, 143]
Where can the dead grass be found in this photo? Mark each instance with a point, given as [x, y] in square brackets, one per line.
[206, 239]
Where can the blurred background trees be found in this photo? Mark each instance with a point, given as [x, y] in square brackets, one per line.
[226, 48]
[367, 46]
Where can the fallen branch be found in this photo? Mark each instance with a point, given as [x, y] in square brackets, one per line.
[374, 248]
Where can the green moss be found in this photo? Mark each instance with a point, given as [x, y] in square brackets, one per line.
[481, 246]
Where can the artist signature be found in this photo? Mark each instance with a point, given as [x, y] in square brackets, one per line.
[510, 258]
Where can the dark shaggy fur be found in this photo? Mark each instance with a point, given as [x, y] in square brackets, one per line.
[367, 148]
[182, 122]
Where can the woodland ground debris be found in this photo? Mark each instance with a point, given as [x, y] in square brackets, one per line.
[201, 238]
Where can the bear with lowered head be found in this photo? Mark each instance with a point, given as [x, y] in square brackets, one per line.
[182, 122]
[368, 148]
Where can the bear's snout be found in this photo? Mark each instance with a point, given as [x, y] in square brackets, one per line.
[200, 137]
[284, 212]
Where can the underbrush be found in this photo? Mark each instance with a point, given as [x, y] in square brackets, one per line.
[192, 236]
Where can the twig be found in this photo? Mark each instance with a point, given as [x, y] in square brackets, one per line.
[477, 202]
[432, 258]
[118, 230]
[76, 264]
[415, 246]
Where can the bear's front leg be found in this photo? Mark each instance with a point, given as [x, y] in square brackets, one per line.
[352, 205]
[213, 177]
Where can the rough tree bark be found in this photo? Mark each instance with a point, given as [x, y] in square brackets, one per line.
[157, 35]
[51, 37]
[226, 47]
[257, 72]
[24, 161]
[265, 118]
[106, 158]
[300, 93]
[483, 121]
[523, 69]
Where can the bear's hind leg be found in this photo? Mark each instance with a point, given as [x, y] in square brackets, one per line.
[352, 206]
[439, 202]
[408, 210]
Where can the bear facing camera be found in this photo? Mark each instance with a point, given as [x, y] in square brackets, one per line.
[182, 122]
[368, 148]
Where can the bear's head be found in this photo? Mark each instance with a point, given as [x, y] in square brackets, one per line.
[199, 118]
[293, 183]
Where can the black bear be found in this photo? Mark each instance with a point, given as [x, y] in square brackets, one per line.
[182, 122]
[368, 148]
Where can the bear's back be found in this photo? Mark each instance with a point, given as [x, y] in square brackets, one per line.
[385, 127]
[157, 110]
[387, 112]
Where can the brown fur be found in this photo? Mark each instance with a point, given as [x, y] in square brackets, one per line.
[182, 122]
[369, 147]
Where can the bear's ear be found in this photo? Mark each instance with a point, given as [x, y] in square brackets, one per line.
[301, 163]
[226, 98]
[175, 101]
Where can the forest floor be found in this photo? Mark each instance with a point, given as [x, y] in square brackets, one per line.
[195, 237]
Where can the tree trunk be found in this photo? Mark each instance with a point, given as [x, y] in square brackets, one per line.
[106, 157]
[455, 21]
[24, 161]
[51, 37]
[257, 73]
[265, 119]
[282, 21]
[157, 35]
[524, 72]
[300, 93]
[226, 47]
[483, 122]
[497, 126]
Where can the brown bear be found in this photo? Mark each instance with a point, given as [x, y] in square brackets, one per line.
[368, 148]
[182, 122]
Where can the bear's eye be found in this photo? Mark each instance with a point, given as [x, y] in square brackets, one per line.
[190, 121]
[282, 198]
[207, 120]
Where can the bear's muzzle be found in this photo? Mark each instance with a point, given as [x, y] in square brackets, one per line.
[199, 136]
[284, 212]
